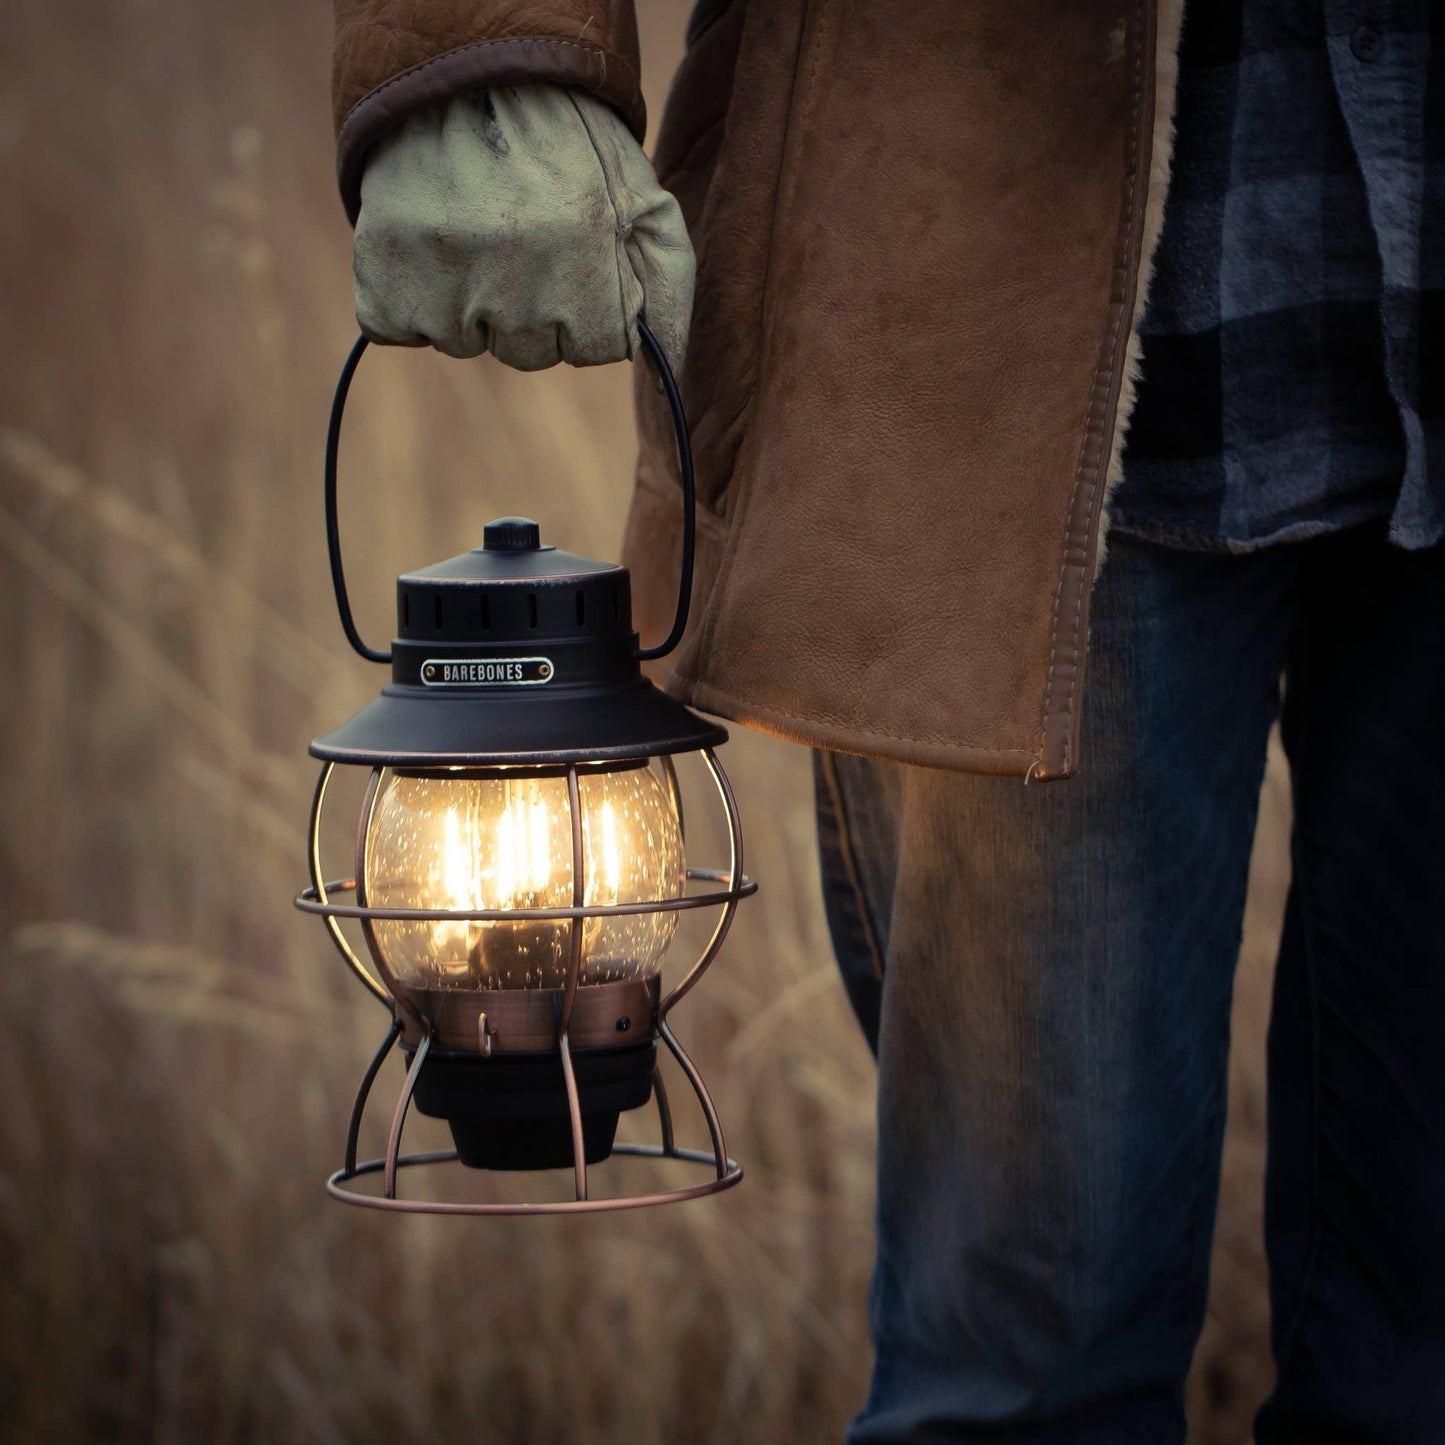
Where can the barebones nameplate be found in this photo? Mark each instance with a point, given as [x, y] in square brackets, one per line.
[487, 671]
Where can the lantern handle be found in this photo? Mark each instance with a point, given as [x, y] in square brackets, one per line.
[689, 501]
[333, 529]
[689, 496]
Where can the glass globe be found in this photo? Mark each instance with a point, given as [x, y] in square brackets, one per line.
[504, 840]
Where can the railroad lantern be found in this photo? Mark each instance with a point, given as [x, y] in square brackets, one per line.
[521, 864]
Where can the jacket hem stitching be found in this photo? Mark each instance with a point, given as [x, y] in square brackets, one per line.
[1104, 383]
[705, 695]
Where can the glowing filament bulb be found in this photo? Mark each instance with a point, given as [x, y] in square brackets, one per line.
[524, 851]
[611, 865]
[506, 858]
[458, 864]
[459, 884]
[540, 856]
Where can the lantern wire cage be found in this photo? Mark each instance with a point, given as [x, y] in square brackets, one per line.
[410, 1026]
[729, 886]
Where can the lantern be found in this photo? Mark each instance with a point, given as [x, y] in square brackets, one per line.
[521, 863]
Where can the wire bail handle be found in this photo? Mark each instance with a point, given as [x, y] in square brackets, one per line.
[689, 500]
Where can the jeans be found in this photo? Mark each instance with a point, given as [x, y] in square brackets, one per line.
[1044, 973]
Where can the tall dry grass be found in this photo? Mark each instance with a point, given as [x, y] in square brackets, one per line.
[179, 1046]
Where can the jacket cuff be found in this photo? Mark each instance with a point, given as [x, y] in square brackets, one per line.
[507, 60]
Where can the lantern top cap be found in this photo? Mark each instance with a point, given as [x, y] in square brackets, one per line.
[512, 534]
[511, 551]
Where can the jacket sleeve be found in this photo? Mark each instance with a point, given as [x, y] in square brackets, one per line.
[395, 56]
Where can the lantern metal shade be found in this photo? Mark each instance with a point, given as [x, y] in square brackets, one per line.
[408, 727]
[553, 629]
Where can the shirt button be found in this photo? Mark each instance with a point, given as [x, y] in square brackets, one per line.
[1366, 43]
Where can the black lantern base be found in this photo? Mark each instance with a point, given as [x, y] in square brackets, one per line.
[510, 1111]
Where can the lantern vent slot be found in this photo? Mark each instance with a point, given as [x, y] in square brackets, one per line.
[531, 609]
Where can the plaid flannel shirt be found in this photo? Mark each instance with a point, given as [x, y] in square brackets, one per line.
[1293, 381]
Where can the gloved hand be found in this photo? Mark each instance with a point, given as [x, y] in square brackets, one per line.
[525, 221]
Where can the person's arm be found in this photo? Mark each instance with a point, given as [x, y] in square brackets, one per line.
[489, 156]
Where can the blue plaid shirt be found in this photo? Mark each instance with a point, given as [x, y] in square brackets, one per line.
[1293, 381]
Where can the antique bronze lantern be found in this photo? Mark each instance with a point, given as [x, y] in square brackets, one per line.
[520, 864]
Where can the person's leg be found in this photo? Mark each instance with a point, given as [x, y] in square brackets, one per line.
[1355, 1198]
[1057, 963]
[858, 837]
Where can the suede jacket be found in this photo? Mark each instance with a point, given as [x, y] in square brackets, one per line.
[923, 235]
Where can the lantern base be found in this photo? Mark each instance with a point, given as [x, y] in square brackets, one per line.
[510, 1111]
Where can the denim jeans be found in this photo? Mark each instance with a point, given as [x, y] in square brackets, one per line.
[1045, 973]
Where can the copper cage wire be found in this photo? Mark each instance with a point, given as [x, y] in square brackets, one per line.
[320, 898]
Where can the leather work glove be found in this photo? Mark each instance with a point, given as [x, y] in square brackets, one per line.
[525, 221]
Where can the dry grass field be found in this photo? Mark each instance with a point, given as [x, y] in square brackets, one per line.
[180, 1047]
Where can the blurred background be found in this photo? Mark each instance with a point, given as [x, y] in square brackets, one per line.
[180, 1047]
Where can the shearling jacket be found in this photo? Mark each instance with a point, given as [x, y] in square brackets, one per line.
[923, 235]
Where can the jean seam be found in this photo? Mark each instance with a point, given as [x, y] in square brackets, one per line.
[848, 855]
[1196, 1211]
[1306, 1288]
